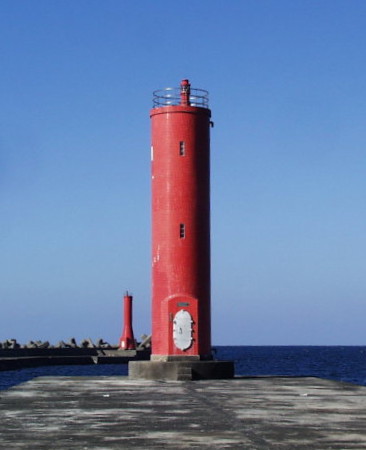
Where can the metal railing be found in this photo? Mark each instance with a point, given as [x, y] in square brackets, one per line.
[173, 97]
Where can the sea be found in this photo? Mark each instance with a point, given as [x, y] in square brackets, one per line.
[342, 363]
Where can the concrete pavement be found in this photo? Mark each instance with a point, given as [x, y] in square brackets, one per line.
[243, 413]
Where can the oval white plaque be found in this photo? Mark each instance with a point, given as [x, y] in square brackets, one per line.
[182, 330]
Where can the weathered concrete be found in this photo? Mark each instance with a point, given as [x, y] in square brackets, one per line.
[181, 370]
[115, 413]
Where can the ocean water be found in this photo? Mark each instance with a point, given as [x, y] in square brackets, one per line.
[342, 363]
[346, 363]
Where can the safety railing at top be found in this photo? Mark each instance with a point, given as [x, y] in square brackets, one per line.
[172, 97]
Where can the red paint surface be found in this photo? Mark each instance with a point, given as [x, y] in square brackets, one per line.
[180, 195]
[127, 340]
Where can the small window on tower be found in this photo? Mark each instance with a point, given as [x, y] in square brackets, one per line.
[182, 148]
[182, 231]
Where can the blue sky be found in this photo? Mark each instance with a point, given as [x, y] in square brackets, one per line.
[287, 93]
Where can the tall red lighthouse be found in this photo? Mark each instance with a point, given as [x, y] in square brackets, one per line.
[180, 160]
[181, 318]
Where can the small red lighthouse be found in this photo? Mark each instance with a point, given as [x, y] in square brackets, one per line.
[180, 160]
[127, 340]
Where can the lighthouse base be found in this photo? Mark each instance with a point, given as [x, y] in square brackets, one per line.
[180, 370]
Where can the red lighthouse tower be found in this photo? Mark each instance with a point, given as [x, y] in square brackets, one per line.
[180, 159]
[181, 317]
[127, 341]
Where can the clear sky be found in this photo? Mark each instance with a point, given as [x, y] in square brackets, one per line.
[287, 92]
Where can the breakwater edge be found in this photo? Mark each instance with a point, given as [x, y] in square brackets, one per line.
[341, 363]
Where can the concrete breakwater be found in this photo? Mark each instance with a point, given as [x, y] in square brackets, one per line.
[244, 413]
[16, 356]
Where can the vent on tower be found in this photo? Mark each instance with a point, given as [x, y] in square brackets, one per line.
[182, 231]
[182, 148]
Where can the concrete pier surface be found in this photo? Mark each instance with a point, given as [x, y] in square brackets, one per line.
[242, 413]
